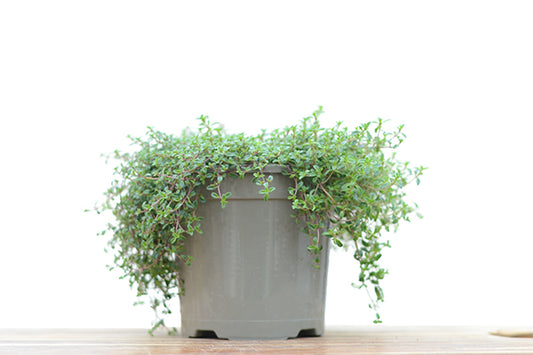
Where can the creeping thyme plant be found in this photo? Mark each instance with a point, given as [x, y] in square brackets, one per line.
[347, 186]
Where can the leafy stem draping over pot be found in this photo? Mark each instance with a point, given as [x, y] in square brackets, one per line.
[348, 185]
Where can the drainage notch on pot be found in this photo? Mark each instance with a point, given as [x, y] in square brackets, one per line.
[206, 334]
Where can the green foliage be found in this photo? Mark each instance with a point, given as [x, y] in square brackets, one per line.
[348, 181]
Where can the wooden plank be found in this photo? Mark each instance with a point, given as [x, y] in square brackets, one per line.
[361, 340]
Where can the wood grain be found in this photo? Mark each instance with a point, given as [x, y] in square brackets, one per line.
[361, 340]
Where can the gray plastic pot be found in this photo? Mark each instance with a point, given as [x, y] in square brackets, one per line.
[252, 277]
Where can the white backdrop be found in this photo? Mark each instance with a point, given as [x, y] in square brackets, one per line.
[76, 77]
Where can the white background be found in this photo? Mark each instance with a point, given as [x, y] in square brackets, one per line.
[76, 77]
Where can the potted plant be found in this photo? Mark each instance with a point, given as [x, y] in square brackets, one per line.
[186, 204]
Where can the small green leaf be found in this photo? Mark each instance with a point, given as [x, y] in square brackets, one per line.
[379, 293]
[378, 319]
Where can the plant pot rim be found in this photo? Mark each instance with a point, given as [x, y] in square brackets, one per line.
[273, 168]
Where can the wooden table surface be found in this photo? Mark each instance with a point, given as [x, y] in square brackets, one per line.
[358, 340]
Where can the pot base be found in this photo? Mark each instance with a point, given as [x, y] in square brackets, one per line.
[267, 329]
